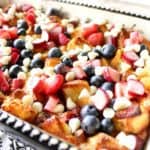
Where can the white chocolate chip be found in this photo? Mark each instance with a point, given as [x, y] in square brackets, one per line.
[26, 62]
[92, 55]
[84, 93]
[124, 67]
[59, 108]
[37, 106]
[138, 71]
[36, 72]
[29, 45]
[74, 124]
[27, 100]
[37, 55]
[127, 140]
[93, 89]
[70, 76]
[108, 113]
[3, 42]
[70, 104]
[76, 63]
[139, 63]
[22, 75]
[86, 48]
[6, 51]
[121, 103]
[49, 71]
[98, 70]
[144, 54]
[70, 28]
[5, 60]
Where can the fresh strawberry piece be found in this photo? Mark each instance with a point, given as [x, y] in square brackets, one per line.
[96, 39]
[130, 57]
[119, 89]
[4, 85]
[39, 90]
[51, 103]
[4, 34]
[51, 44]
[2, 20]
[79, 73]
[53, 84]
[131, 111]
[63, 39]
[135, 88]
[112, 40]
[30, 17]
[90, 30]
[101, 99]
[111, 74]
[17, 84]
[13, 32]
[26, 7]
[14, 57]
[136, 37]
[40, 44]
[14, 50]
[54, 33]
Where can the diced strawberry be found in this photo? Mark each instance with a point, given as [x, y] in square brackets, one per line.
[135, 88]
[53, 84]
[131, 111]
[4, 34]
[17, 84]
[112, 40]
[2, 20]
[39, 90]
[30, 17]
[130, 57]
[51, 103]
[14, 57]
[4, 85]
[100, 99]
[54, 33]
[40, 44]
[14, 50]
[111, 74]
[13, 32]
[90, 30]
[51, 44]
[26, 7]
[63, 39]
[79, 73]
[136, 37]
[96, 39]
[119, 89]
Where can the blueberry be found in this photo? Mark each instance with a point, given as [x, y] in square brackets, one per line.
[26, 53]
[21, 31]
[67, 61]
[84, 53]
[53, 11]
[112, 103]
[22, 24]
[14, 70]
[89, 70]
[54, 52]
[142, 47]
[37, 63]
[19, 44]
[89, 110]
[108, 51]
[98, 51]
[90, 124]
[9, 43]
[97, 80]
[61, 68]
[108, 86]
[107, 125]
[37, 29]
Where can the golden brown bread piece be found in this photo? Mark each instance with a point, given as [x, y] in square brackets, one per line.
[102, 141]
[133, 124]
[51, 62]
[72, 89]
[16, 107]
[56, 126]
